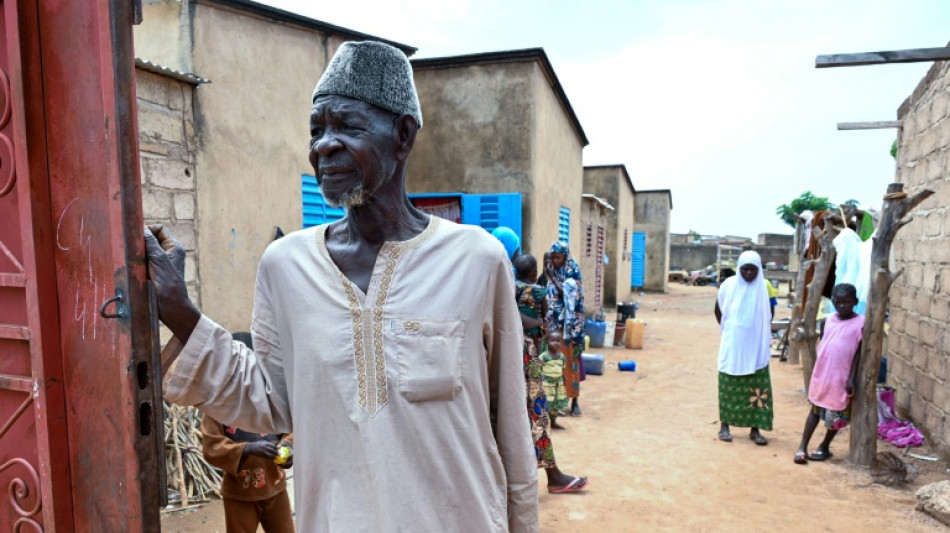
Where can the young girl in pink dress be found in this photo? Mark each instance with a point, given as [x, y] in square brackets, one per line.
[832, 380]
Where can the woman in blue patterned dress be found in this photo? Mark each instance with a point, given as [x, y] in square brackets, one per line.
[565, 296]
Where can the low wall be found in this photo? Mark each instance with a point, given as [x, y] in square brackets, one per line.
[695, 256]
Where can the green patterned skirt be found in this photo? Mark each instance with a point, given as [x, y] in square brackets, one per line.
[746, 401]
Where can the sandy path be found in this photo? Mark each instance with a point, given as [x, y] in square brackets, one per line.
[648, 442]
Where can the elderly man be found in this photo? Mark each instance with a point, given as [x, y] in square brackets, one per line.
[388, 342]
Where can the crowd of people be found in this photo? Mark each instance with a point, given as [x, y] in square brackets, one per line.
[552, 317]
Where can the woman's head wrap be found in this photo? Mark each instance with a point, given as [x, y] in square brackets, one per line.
[560, 248]
[750, 257]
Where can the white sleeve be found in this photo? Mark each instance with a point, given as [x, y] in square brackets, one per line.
[229, 381]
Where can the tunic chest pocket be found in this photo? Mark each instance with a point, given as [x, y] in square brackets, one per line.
[428, 357]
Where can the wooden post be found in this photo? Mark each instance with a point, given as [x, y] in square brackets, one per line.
[864, 404]
[796, 326]
[809, 347]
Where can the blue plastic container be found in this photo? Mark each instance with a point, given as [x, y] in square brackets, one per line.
[596, 330]
[593, 363]
[882, 375]
[628, 366]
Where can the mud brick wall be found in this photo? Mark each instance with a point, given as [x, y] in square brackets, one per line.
[918, 343]
[167, 148]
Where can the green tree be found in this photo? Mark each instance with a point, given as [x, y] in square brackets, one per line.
[805, 202]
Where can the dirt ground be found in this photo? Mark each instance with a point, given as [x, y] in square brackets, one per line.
[647, 441]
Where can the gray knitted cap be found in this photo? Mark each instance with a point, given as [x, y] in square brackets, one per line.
[374, 73]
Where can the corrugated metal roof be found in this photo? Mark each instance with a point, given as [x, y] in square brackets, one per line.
[154, 68]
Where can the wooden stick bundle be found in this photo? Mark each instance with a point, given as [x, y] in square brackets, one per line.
[188, 472]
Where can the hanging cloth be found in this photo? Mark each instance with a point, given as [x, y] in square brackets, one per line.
[867, 226]
[852, 264]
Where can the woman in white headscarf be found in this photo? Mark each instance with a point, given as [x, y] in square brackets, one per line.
[745, 315]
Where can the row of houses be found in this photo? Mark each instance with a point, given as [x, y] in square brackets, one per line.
[223, 96]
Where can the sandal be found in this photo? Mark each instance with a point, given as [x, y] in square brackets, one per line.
[759, 439]
[820, 455]
[576, 485]
[801, 458]
[725, 436]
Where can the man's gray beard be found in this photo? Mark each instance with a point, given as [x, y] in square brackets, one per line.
[354, 197]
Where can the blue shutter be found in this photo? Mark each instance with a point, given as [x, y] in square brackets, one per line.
[315, 208]
[638, 259]
[564, 225]
[492, 210]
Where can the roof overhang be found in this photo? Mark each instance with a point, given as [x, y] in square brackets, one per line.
[188, 77]
[600, 201]
[279, 15]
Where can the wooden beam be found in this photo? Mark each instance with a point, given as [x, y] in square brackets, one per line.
[879, 125]
[877, 58]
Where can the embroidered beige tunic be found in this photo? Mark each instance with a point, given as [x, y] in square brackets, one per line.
[407, 402]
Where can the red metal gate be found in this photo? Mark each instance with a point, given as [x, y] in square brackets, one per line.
[79, 409]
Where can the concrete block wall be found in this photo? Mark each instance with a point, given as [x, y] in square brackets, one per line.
[918, 344]
[652, 217]
[167, 147]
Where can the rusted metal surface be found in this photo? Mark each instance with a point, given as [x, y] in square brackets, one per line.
[33, 440]
[85, 457]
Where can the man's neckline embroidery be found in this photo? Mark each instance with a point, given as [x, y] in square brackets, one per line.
[371, 379]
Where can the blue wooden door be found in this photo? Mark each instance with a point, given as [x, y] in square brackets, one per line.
[315, 208]
[638, 259]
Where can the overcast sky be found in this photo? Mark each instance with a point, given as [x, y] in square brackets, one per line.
[717, 100]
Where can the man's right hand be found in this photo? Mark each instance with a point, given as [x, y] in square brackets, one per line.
[166, 270]
[261, 448]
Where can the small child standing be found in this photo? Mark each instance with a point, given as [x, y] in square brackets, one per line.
[552, 371]
[531, 299]
[832, 380]
[254, 488]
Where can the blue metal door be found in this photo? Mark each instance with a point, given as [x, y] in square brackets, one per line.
[638, 259]
[492, 210]
[315, 208]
